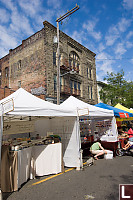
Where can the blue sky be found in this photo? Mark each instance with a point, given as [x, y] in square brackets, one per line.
[103, 26]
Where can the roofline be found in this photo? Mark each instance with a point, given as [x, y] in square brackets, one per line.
[100, 82]
[50, 25]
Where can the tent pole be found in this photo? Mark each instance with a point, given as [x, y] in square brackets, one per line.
[1, 133]
[79, 145]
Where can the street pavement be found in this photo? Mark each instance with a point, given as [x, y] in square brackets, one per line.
[99, 182]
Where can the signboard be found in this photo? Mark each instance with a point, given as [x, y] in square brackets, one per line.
[8, 106]
[38, 91]
[15, 127]
[125, 191]
[83, 112]
[124, 115]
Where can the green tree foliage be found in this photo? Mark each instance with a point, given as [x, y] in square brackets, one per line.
[117, 90]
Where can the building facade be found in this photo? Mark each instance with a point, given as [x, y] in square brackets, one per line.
[33, 66]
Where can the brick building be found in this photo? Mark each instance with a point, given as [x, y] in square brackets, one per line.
[33, 66]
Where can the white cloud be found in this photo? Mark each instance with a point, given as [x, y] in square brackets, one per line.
[48, 15]
[31, 8]
[119, 49]
[6, 39]
[104, 65]
[38, 13]
[90, 26]
[110, 39]
[97, 35]
[101, 47]
[112, 35]
[18, 27]
[102, 56]
[128, 4]
[124, 24]
[128, 75]
[9, 4]
[132, 61]
[129, 44]
[24, 18]
[115, 31]
[4, 16]
[119, 66]
[129, 35]
[3, 51]
[78, 36]
[90, 45]
[20, 23]
[54, 3]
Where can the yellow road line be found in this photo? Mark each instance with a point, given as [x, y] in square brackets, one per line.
[46, 179]
[52, 177]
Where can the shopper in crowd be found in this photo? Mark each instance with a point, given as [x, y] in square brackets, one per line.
[128, 145]
[97, 149]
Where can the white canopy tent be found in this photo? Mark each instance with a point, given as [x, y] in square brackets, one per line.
[62, 118]
[78, 105]
[56, 118]
[81, 108]
[26, 104]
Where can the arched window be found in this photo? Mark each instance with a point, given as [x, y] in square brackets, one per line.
[74, 61]
[6, 72]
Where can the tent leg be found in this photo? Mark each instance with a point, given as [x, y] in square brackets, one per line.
[1, 194]
[81, 161]
[78, 168]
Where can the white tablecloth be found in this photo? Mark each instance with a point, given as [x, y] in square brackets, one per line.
[28, 163]
[24, 164]
[47, 159]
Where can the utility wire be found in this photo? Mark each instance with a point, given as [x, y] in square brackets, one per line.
[114, 59]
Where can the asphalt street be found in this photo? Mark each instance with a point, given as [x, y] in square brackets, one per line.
[99, 182]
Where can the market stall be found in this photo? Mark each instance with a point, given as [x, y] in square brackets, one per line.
[126, 125]
[20, 128]
[91, 123]
[120, 115]
[119, 106]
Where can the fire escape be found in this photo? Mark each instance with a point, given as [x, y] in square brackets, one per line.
[70, 79]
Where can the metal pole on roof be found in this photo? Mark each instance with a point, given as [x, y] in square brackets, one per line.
[58, 49]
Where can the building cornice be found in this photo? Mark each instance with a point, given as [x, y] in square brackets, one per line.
[71, 40]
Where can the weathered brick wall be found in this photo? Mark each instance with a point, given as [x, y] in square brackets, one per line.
[67, 44]
[4, 63]
[48, 55]
[88, 61]
[27, 64]
[4, 92]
